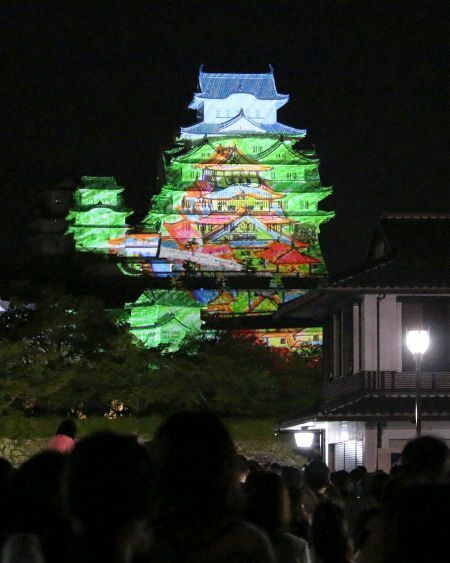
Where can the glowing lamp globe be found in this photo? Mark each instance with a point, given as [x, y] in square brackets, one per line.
[304, 439]
[418, 341]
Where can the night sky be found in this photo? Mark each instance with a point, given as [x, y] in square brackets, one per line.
[100, 90]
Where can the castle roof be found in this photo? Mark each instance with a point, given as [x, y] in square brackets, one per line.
[240, 125]
[239, 190]
[227, 158]
[182, 231]
[99, 183]
[220, 85]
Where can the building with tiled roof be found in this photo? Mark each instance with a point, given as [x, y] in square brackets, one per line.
[368, 409]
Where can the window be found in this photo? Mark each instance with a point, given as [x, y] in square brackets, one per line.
[311, 175]
[346, 455]
[291, 175]
[272, 175]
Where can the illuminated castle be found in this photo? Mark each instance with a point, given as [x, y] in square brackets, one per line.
[239, 203]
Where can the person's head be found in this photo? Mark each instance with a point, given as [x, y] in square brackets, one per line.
[67, 428]
[317, 475]
[267, 501]
[424, 459]
[415, 525]
[6, 471]
[377, 486]
[33, 493]
[197, 464]
[107, 484]
[329, 534]
[341, 480]
[292, 476]
[358, 474]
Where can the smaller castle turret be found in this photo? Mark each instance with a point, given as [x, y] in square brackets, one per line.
[99, 215]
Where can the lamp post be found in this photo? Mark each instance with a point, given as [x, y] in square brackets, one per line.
[418, 342]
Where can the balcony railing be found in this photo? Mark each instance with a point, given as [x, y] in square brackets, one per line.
[386, 383]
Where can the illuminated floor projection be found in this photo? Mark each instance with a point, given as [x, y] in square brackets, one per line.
[239, 200]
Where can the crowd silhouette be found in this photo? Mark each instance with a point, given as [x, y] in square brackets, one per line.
[187, 497]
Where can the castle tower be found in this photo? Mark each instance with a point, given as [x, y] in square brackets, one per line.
[234, 230]
[98, 218]
[240, 200]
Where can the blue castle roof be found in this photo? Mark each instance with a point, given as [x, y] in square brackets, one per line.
[219, 85]
[212, 129]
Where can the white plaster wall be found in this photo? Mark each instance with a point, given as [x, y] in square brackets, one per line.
[342, 431]
[388, 334]
[370, 453]
[395, 434]
[356, 342]
[218, 111]
[390, 359]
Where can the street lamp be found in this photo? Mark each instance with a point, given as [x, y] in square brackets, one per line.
[418, 342]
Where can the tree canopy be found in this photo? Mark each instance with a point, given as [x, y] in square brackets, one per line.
[67, 354]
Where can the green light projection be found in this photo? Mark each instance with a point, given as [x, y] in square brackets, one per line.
[239, 199]
[99, 216]
[164, 317]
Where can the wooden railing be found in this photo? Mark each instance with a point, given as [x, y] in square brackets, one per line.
[388, 383]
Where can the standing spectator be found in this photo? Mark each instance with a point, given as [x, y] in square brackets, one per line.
[329, 535]
[107, 487]
[268, 507]
[32, 505]
[415, 525]
[198, 517]
[64, 439]
[424, 460]
[317, 480]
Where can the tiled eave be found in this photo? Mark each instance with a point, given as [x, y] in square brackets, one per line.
[376, 409]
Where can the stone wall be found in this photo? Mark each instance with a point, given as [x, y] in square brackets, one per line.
[19, 450]
[272, 451]
[265, 451]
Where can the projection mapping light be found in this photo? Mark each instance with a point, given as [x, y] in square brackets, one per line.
[239, 200]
